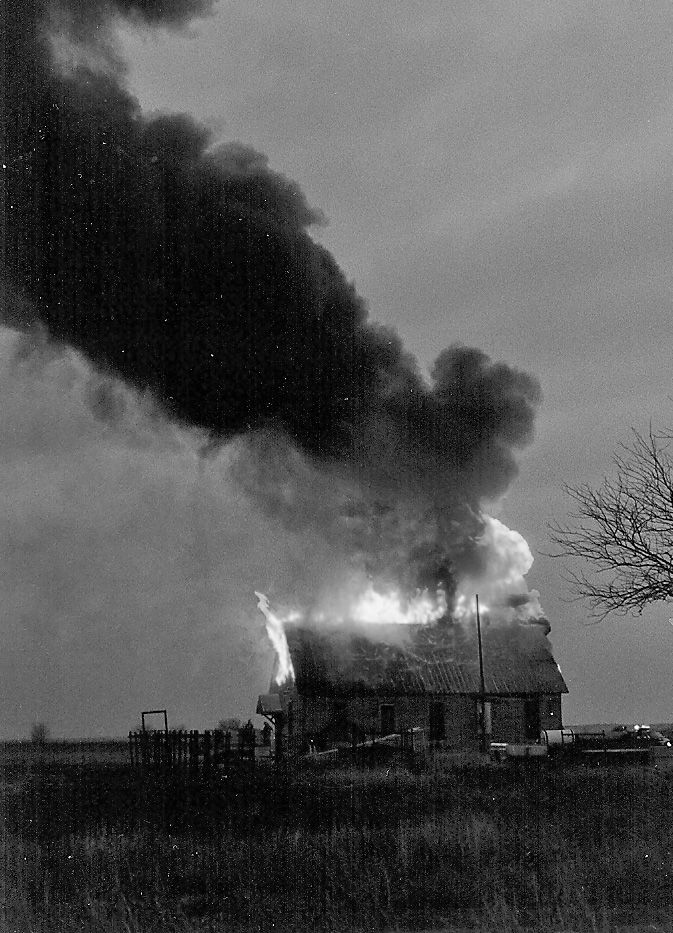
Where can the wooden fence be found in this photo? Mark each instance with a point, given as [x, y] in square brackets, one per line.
[199, 755]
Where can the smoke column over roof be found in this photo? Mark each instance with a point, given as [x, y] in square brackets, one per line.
[187, 267]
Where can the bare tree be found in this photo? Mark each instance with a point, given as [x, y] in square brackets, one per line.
[624, 529]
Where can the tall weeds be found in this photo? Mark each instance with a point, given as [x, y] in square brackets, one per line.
[479, 847]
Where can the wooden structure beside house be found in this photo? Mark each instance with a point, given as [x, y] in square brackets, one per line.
[380, 680]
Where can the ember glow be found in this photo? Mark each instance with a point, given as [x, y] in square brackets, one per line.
[275, 627]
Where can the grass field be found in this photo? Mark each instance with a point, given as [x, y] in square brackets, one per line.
[87, 846]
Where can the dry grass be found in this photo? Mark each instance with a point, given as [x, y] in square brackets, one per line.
[451, 848]
[26, 754]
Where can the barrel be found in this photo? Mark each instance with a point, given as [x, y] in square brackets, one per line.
[557, 738]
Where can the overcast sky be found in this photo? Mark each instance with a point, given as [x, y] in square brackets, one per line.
[493, 174]
[496, 174]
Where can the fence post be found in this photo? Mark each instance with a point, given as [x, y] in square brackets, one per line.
[180, 749]
[193, 754]
[156, 749]
[207, 749]
[218, 741]
[168, 750]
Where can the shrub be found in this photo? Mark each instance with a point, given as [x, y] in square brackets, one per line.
[39, 733]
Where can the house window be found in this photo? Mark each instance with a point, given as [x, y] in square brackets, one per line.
[387, 718]
[480, 717]
[437, 722]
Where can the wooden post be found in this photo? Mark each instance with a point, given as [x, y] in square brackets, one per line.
[253, 746]
[483, 745]
[279, 723]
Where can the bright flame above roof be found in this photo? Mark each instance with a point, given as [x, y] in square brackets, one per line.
[370, 607]
[373, 607]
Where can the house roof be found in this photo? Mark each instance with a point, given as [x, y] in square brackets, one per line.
[268, 704]
[441, 659]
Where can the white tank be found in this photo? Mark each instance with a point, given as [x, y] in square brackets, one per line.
[557, 738]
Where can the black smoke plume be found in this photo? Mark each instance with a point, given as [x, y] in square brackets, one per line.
[187, 268]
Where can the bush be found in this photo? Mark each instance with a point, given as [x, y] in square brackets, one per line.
[229, 725]
[39, 733]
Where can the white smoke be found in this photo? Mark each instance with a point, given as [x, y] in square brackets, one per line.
[500, 584]
[128, 557]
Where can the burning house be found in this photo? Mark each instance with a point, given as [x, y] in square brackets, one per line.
[383, 663]
[377, 679]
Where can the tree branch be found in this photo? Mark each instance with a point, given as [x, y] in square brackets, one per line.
[624, 530]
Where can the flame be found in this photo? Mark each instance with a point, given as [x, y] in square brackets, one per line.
[369, 607]
[275, 627]
[500, 584]
[465, 607]
[373, 607]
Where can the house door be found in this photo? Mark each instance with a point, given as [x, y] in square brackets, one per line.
[387, 718]
[531, 716]
[437, 722]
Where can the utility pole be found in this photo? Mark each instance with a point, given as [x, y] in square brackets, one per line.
[482, 688]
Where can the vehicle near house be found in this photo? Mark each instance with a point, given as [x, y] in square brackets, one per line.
[635, 736]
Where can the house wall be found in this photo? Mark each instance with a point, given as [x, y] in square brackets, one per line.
[462, 721]
[317, 713]
[510, 720]
[507, 719]
[312, 715]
